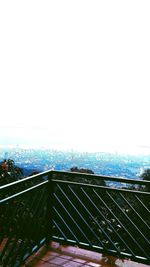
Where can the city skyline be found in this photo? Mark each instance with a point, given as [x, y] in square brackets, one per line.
[43, 138]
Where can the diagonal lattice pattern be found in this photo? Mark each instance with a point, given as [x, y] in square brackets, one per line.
[111, 220]
[76, 209]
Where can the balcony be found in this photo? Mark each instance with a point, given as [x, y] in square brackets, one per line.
[73, 219]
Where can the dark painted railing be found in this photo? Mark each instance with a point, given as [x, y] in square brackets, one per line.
[23, 224]
[77, 209]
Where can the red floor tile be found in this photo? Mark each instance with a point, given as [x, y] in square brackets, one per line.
[67, 256]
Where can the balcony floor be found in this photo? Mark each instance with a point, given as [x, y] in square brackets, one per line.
[67, 256]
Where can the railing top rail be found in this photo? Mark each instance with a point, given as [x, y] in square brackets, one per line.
[106, 178]
[94, 176]
[29, 178]
[22, 192]
[101, 186]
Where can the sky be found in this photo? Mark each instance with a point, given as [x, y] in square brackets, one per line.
[75, 74]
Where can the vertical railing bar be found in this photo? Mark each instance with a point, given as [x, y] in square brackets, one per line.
[49, 213]
[36, 210]
[11, 248]
[7, 212]
[13, 261]
[13, 239]
[25, 222]
[10, 237]
[7, 243]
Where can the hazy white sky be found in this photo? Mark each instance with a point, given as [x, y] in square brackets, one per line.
[75, 73]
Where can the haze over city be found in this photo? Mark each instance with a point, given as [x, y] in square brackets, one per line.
[75, 75]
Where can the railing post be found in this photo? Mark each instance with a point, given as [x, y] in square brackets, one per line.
[49, 217]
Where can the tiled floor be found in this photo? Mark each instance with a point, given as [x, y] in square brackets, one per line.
[67, 256]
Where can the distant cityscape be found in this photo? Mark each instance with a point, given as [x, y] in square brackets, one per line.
[109, 164]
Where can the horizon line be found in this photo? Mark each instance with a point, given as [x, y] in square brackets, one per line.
[138, 150]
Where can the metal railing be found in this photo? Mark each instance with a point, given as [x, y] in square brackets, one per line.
[23, 224]
[77, 209]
